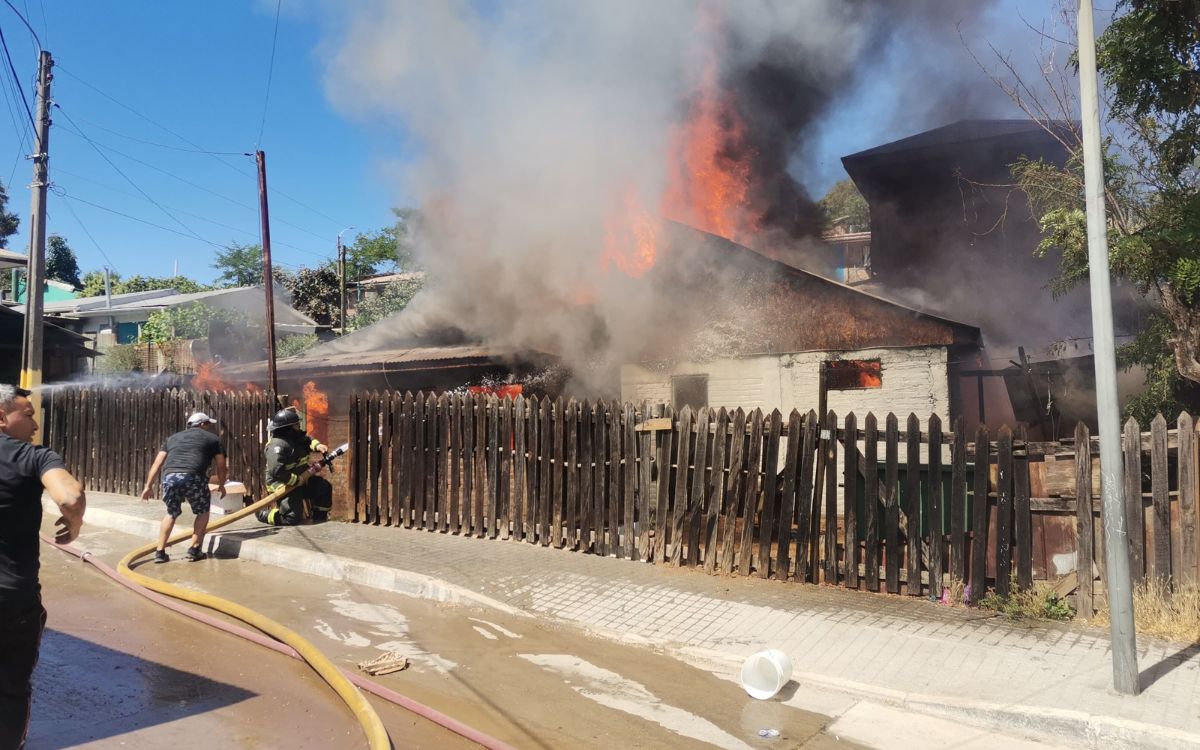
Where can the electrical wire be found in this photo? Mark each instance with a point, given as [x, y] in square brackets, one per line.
[270, 73]
[16, 78]
[128, 179]
[63, 194]
[156, 144]
[24, 21]
[79, 221]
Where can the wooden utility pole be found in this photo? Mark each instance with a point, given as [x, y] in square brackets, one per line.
[1116, 538]
[268, 278]
[31, 352]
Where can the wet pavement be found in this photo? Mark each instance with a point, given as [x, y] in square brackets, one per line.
[525, 681]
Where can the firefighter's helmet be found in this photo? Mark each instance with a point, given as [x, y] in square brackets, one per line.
[283, 418]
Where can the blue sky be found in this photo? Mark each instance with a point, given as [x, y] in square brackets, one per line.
[200, 72]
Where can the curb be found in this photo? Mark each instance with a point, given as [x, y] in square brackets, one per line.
[1075, 728]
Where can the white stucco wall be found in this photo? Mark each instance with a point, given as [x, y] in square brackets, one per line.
[914, 380]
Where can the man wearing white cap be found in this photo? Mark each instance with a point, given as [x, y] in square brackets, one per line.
[185, 458]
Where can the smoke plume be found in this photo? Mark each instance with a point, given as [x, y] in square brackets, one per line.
[547, 131]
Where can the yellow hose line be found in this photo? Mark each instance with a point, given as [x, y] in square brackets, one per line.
[377, 736]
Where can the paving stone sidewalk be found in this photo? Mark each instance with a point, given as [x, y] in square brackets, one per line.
[1049, 680]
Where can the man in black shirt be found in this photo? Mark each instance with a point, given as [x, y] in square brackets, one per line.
[184, 459]
[26, 471]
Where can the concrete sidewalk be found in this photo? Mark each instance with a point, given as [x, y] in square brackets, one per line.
[1045, 681]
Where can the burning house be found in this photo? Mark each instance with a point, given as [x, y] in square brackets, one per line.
[751, 332]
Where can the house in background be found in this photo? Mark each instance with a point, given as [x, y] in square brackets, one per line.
[55, 291]
[64, 352]
[952, 235]
[119, 319]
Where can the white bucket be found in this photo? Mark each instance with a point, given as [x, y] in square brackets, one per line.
[764, 674]
[231, 503]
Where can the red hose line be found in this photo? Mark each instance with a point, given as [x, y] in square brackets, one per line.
[399, 699]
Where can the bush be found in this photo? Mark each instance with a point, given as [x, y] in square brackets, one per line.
[119, 358]
[1033, 605]
[291, 346]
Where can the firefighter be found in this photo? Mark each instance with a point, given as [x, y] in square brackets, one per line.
[288, 454]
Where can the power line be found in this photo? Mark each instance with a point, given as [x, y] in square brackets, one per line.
[16, 78]
[79, 221]
[31, 31]
[159, 145]
[64, 194]
[128, 179]
[270, 73]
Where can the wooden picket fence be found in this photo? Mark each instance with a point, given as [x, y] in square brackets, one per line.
[726, 491]
[109, 436]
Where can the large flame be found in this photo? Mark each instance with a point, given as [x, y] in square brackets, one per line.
[708, 173]
[316, 411]
[709, 170]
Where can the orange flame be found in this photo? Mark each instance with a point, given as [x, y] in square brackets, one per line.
[209, 377]
[631, 238]
[709, 178]
[316, 411]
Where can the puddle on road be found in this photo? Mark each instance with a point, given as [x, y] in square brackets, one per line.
[529, 682]
[611, 689]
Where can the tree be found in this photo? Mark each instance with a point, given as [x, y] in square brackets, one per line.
[315, 292]
[9, 222]
[93, 284]
[187, 322]
[395, 297]
[240, 265]
[1148, 56]
[291, 346]
[844, 203]
[387, 250]
[61, 263]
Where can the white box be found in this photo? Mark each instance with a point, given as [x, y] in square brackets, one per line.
[231, 503]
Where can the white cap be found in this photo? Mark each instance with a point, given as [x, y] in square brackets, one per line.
[199, 418]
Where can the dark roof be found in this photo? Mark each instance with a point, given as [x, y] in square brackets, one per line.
[961, 132]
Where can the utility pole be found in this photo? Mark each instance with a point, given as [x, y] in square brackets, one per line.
[1116, 537]
[341, 256]
[31, 352]
[268, 278]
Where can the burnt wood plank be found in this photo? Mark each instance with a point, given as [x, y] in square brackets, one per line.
[614, 476]
[691, 527]
[468, 465]
[587, 464]
[1134, 508]
[645, 442]
[831, 486]
[850, 493]
[980, 516]
[822, 470]
[505, 499]
[629, 478]
[453, 514]
[958, 502]
[891, 504]
[753, 493]
[1084, 524]
[769, 526]
[683, 449]
[871, 501]
[666, 471]
[520, 491]
[445, 462]
[935, 519]
[571, 435]
[1004, 511]
[555, 517]
[599, 477]
[491, 524]
[1188, 472]
[734, 491]
[395, 459]
[787, 504]
[715, 500]
[912, 504]
[1023, 519]
[804, 490]
[1159, 481]
[429, 522]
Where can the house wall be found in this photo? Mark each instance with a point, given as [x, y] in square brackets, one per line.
[914, 380]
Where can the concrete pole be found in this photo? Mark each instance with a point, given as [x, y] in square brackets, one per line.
[341, 257]
[1116, 537]
[32, 356]
[268, 277]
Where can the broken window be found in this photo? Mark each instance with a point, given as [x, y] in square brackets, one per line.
[852, 374]
[689, 390]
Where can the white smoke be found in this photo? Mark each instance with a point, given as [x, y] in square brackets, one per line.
[535, 120]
